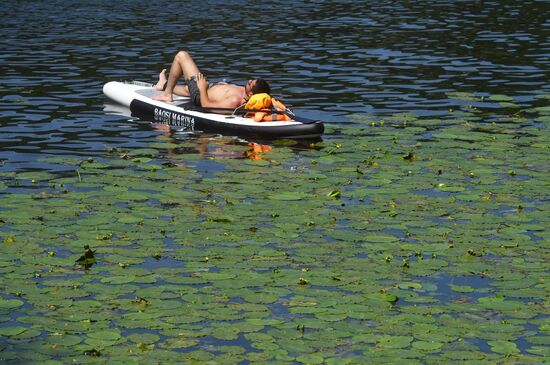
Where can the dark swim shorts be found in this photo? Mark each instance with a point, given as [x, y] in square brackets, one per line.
[194, 92]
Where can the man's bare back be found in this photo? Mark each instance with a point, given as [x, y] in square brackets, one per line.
[220, 95]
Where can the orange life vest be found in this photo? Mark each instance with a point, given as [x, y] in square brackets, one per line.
[264, 102]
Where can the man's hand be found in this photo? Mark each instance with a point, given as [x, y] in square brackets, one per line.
[202, 83]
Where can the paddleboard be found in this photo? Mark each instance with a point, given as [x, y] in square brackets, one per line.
[182, 114]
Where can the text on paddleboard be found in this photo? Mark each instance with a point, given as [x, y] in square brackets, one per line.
[173, 118]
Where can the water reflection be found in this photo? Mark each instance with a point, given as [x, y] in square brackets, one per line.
[217, 147]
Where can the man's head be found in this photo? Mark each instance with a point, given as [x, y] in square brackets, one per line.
[257, 86]
[261, 86]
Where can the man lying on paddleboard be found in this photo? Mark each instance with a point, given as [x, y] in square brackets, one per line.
[203, 94]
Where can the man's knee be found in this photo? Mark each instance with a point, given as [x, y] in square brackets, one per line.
[183, 55]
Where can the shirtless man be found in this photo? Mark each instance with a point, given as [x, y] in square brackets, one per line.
[220, 95]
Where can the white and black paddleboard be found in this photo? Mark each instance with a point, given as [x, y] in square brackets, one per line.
[181, 113]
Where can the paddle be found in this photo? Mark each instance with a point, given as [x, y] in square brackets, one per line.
[191, 106]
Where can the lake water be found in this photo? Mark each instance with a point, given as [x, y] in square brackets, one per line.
[423, 209]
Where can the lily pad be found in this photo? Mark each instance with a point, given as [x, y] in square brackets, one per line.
[394, 342]
[12, 331]
[503, 347]
[500, 98]
[427, 346]
[107, 335]
[311, 359]
[9, 304]
[178, 343]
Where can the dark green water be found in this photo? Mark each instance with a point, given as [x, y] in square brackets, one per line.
[415, 232]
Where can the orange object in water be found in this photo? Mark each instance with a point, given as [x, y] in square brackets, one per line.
[262, 102]
[257, 150]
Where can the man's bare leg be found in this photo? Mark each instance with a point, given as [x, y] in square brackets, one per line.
[181, 90]
[162, 80]
[184, 65]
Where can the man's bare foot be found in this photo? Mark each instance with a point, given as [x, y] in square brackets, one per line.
[162, 80]
[163, 97]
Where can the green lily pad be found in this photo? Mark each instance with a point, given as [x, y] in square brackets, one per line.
[35, 175]
[64, 340]
[119, 279]
[394, 342]
[107, 335]
[463, 96]
[178, 343]
[503, 347]
[311, 359]
[539, 350]
[427, 346]
[500, 98]
[12, 331]
[9, 304]
[410, 285]
[462, 288]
